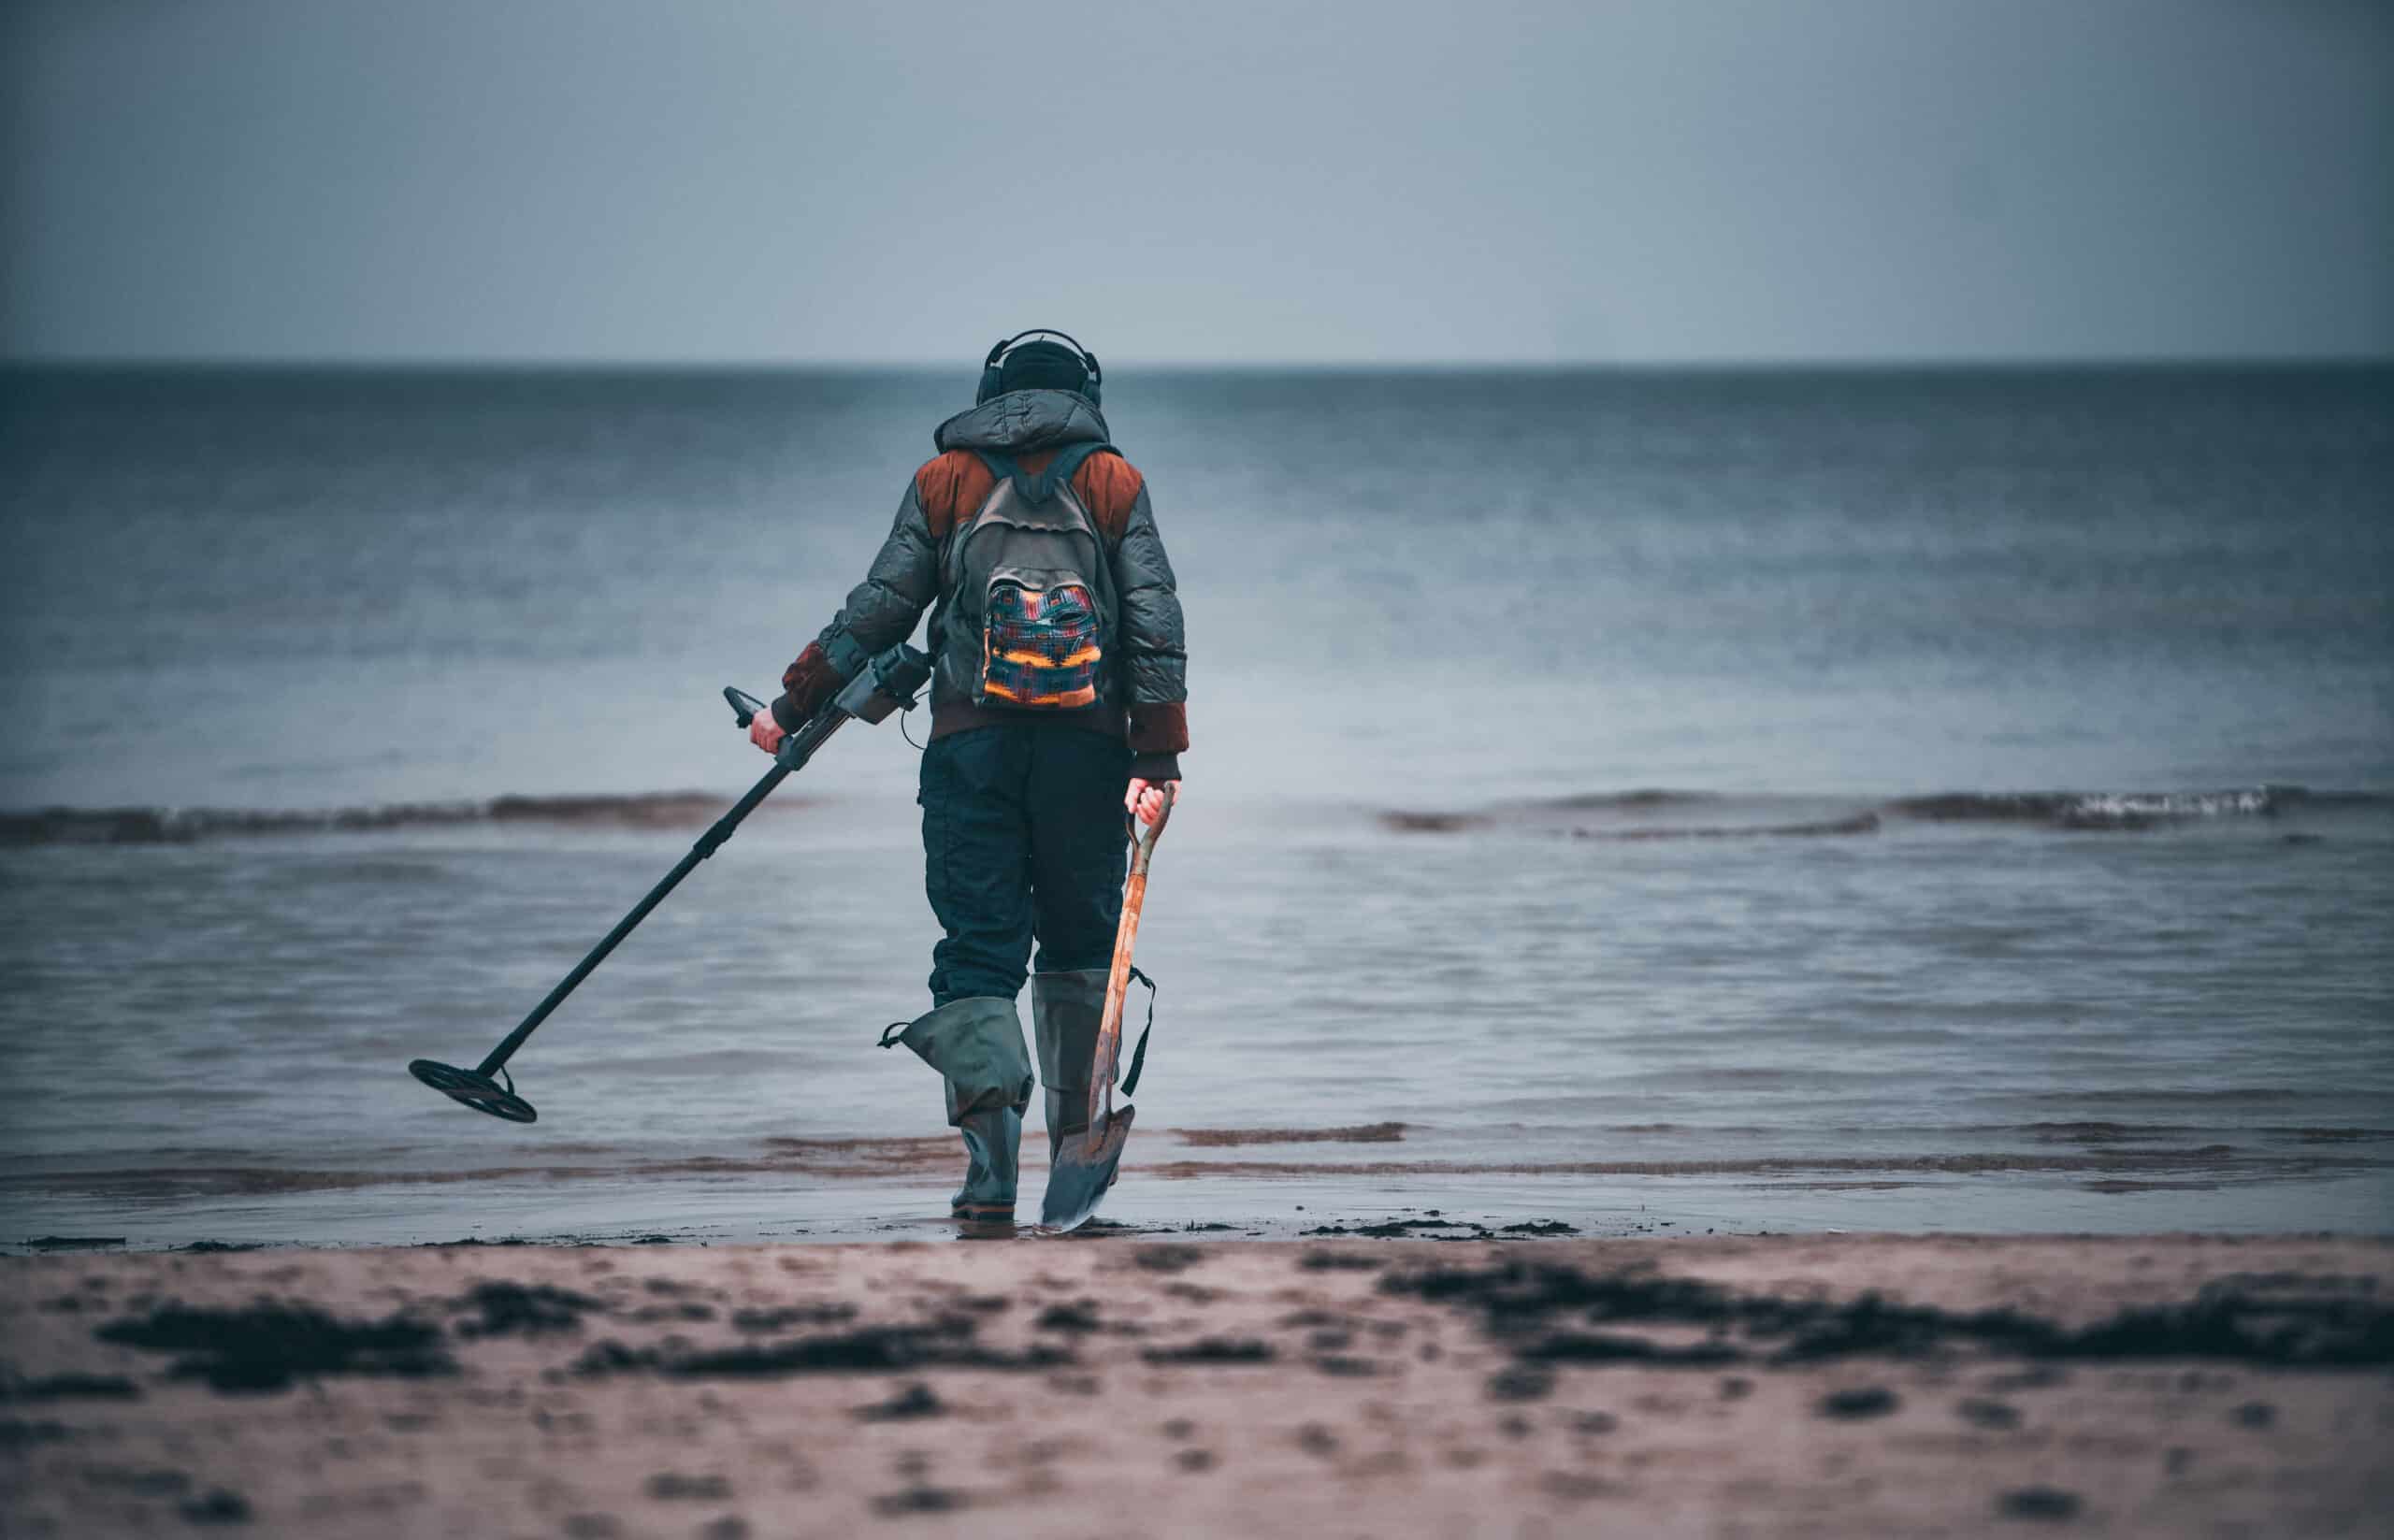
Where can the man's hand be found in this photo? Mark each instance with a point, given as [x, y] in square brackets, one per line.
[1145, 799]
[765, 732]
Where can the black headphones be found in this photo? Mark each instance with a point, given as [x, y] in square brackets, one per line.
[1092, 378]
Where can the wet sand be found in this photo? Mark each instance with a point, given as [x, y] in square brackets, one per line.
[1828, 1385]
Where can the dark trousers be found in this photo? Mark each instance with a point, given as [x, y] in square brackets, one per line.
[1023, 837]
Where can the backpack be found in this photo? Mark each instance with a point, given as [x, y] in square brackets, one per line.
[1030, 589]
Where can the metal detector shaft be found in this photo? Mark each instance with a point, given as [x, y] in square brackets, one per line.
[796, 750]
[885, 682]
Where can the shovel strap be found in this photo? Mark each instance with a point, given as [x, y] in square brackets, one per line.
[1139, 1053]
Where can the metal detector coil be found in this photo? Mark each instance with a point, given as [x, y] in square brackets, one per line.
[478, 1091]
[886, 683]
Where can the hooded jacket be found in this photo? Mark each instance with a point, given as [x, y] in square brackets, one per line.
[1143, 691]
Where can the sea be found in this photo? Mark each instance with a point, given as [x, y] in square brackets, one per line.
[1621, 803]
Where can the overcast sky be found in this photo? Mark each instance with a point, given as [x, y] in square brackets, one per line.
[1677, 182]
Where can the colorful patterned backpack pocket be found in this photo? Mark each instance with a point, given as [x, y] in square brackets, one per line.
[1039, 641]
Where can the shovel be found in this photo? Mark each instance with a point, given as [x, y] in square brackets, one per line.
[1086, 1162]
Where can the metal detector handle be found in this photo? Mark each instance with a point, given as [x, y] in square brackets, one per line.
[887, 684]
[797, 747]
[745, 708]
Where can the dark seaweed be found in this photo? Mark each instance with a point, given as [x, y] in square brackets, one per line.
[1395, 1229]
[71, 1386]
[2048, 1504]
[783, 1316]
[269, 1345]
[514, 1309]
[948, 1342]
[673, 1486]
[919, 1500]
[915, 1401]
[1214, 1350]
[1078, 1317]
[218, 1506]
[1618, 1347]
[1861, 1402]
[1521, 1382]
[2288, 1322]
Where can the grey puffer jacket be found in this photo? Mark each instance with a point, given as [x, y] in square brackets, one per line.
[1142, 689]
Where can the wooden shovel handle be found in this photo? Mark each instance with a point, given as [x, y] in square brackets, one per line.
[1118, 982]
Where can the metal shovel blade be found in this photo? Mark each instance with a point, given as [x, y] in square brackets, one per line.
[1083, 1169]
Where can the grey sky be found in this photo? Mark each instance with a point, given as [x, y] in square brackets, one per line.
[1775, 180]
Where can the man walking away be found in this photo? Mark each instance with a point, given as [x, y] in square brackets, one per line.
[1057, 698]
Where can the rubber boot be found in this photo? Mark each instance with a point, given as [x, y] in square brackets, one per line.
[992, 1143]
[1066, 1009]
[975, 1043]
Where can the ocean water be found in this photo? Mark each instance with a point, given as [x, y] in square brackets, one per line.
[1653, 802]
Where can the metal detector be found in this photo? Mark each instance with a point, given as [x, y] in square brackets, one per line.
[888, 683]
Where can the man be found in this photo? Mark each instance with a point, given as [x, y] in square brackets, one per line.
[1058, 694]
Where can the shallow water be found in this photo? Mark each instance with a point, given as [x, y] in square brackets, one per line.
[1703, 803]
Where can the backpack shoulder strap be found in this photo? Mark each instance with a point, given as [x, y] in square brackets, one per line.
[1043, 486]
[1059, 471]
[1000, 467]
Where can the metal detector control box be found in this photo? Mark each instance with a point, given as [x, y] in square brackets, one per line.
[886, 684]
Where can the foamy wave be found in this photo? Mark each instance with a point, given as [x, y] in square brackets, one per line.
[182, 826]
[1645, 814]
[1609, 815]
[2099, 809]
[1861, 822]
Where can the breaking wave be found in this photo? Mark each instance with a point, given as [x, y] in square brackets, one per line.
[1633, 816]
[2098, 809]
[182, 826]
[1644, 814]
[1361, 1133]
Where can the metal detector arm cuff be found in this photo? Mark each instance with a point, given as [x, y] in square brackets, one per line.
[889, 682]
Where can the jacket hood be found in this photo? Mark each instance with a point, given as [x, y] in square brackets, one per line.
[1023, 420]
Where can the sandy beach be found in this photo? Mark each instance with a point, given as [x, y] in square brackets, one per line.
[1830, 1386]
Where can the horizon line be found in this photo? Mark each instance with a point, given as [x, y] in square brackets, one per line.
[470, 364]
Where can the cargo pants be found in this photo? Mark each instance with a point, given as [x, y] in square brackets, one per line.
[1022, 839]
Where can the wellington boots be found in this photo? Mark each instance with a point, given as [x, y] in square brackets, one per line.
[1066, 1009]
[993, 1143]
[975, 1043]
